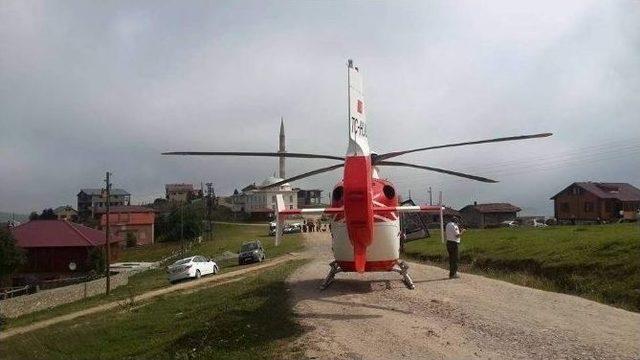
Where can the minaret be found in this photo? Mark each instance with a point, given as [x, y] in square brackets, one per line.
[281, 149]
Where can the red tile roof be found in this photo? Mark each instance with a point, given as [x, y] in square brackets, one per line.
[58, 233]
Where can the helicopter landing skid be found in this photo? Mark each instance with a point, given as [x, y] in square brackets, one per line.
[404, 271]
[331, 275]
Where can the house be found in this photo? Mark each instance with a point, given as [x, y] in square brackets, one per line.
[91, 199]
[66, 212]
[488, 215]
[447, 214]
[596, 201]
[138, 220]
[260, 203]
[59, 248]
[309, 198]
[181, 193]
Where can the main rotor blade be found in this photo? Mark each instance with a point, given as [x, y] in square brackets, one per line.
[454, 173]
[302, 176]
[511, 138]
[250, 153]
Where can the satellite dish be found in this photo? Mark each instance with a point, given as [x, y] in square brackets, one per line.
[72, 266]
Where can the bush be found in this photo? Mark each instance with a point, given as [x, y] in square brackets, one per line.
[187, 221]
[97, 260]
[11, 256]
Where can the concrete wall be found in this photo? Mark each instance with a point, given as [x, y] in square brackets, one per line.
[46, 299]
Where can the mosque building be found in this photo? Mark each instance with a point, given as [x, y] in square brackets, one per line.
[260, 203]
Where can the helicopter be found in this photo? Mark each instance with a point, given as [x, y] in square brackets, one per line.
[364, 211]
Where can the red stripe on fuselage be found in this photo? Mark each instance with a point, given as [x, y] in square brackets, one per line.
[358, 206]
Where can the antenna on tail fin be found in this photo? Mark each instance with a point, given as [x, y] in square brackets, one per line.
[358, 141]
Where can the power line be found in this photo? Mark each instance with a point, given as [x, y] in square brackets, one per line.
[531, 166]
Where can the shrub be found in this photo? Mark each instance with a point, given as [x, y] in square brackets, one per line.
[11, 256]
[97, 260]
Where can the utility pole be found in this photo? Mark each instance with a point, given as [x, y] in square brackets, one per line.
[440, 198]
[430, 196]
[210, 200]
[182, 228]
[108, 239]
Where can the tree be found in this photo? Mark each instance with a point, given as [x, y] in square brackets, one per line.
[48, 214]
[97, 260]
[11, 256]
[186, 221]
[33, 216]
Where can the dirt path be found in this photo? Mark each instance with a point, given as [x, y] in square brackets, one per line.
[190, 286]
[372, 316]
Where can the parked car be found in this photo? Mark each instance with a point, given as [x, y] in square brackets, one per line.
[191, 267]
[539, 224]
[286, 229]
[292, 229]
[509, 223]
[251, 251]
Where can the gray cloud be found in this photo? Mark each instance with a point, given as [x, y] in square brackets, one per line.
[90, 87]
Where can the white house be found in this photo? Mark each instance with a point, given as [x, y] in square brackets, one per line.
[262, 202]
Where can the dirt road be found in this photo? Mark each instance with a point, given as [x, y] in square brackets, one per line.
[373, 316]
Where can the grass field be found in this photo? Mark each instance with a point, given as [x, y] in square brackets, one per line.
[249, 319]
[597, 262]
[228, 237]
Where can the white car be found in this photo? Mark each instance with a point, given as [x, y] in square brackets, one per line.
[191, 267]
[509, 223]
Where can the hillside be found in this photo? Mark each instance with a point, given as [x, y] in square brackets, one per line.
[600, 262]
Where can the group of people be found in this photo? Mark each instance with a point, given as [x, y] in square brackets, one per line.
[314, 226]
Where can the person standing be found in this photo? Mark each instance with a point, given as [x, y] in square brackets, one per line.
[453, 234]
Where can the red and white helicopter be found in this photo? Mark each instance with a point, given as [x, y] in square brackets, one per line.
[365, 226]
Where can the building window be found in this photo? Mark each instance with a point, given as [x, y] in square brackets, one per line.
[588, 207]
[290, 198]
[273, 198]
[564, 207]
[290, 207]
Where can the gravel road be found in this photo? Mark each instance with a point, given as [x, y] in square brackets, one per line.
[373, 316]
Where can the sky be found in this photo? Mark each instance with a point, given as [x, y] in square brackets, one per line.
[90, 87]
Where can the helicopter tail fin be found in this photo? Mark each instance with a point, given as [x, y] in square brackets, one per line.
[358, 141]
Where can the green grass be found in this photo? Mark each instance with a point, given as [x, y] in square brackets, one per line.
[138, 284]
[226, 237]
[249, 319]
[600, 262]
[229, 237]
